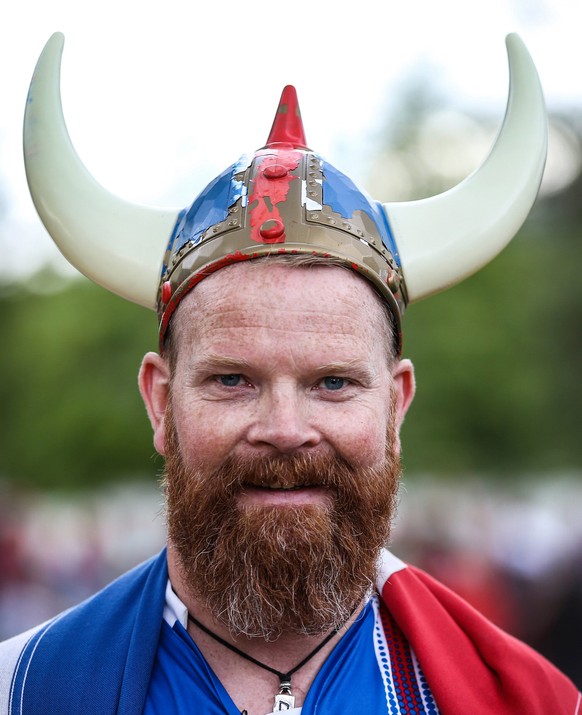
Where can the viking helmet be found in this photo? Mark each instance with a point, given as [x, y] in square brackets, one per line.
[284, 199]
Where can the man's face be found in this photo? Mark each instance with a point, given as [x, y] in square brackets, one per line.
[282, 413]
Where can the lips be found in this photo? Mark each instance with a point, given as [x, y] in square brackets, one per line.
[277, 486]
[277, 494]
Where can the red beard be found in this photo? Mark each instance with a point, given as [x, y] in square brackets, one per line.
[265, 570]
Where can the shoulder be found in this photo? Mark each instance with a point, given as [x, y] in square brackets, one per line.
[464, 656]
[387, 567]
[110, 604]
[98, 635]
[10, 654]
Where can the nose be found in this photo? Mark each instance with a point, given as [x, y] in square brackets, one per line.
[283, 421]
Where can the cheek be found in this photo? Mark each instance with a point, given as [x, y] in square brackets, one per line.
[362, 440]
[367, 449]
[205, 435]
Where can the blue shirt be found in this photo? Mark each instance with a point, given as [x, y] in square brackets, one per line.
[364, 673]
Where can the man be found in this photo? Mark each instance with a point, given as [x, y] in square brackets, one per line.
[277, 399]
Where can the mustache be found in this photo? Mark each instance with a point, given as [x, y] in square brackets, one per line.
[283, 471]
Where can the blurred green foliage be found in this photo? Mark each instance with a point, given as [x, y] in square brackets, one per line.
[498, 364]
[71, 413]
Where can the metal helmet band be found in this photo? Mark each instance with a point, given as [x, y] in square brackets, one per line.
[284, 199]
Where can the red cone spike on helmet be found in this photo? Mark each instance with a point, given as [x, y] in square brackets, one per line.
[287, 127]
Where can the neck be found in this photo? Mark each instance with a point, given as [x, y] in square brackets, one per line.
[246, 682]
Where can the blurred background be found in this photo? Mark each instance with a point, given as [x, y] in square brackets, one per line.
[407, 101]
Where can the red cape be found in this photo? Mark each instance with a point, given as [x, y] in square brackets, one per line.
[472, 667]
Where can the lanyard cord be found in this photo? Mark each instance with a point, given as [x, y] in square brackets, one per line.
[283, 677]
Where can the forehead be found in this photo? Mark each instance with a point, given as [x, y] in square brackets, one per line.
[263, 295]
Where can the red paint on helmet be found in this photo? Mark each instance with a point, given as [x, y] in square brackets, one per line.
[275, 171]
[268, 192]
[166, 291]
[272, 231]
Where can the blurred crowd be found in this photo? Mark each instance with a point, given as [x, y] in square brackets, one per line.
[56, 550]
[513, 551]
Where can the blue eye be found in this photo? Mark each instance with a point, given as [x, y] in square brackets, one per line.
[334, 383]
[229, 380]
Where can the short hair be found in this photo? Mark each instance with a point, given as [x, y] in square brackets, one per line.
[389, 327]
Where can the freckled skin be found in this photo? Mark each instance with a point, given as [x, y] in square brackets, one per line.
[276, 360]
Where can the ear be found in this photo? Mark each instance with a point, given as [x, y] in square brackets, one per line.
[154, 385]
[405, 387]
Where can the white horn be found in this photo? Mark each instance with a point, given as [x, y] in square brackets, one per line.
[117, 244]
[444, 239]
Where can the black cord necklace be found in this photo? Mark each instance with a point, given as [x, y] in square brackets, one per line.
[284, 699]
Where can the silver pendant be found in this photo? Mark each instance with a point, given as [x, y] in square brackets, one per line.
[284, 700]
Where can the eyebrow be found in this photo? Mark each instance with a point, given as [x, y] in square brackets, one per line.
[214, 362]
[350, 368]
